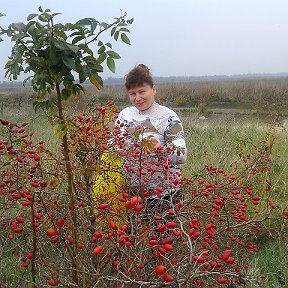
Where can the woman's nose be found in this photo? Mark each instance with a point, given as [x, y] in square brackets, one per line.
[137, 97]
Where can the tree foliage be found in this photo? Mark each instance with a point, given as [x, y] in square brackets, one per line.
[55, 53]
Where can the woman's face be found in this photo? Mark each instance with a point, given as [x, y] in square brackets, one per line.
[142, 97]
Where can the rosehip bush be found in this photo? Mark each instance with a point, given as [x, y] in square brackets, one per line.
[199, 241]
[43, 183]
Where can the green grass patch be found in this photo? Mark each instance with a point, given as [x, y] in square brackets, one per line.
[271, 265]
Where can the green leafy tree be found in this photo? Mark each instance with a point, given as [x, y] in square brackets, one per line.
[54, 54]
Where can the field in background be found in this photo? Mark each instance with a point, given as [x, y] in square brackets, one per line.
[258, 96]
[217, 116]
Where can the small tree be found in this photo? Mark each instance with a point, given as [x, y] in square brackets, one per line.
[54, 53]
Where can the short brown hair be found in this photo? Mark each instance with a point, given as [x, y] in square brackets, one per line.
[138, 76]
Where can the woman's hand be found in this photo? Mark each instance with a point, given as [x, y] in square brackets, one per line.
[151, 144]
[155, 142]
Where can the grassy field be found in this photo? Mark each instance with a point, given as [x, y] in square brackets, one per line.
[216, 121]
[262, 96]
[219, 136]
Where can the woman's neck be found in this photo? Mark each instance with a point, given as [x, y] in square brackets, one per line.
[148, 109]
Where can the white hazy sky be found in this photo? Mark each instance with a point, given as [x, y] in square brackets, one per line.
[180, 37]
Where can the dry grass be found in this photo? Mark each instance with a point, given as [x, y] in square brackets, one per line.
[261, 95]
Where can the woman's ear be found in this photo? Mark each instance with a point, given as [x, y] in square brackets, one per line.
[154, 89]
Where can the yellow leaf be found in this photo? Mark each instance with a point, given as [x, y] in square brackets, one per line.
[54, 182]
[149, 143]
[107, 189]
[74, 96]
[72, 148]
[98, 169]
[95, 82]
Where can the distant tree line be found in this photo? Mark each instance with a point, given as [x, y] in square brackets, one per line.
[171, 79]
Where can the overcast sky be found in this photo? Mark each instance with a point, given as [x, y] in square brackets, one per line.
[180, 37]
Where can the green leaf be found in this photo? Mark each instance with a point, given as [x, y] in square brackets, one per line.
[122, 23]
[86, 49]
[60, 130]
[15, 69]
[49, 17]
[30, 27]
[54, 56]
[84, 73]
[9, 32]
[36, 105]
[124, 30]
[130, 21]
[113, 31]
[43, 18]
[108, 45]
[41, 104]
[73, 48]
[113, 54]
[69, 62]
[60, 45]
[29, 24]
[55, 14]
[104, 25]
[94, 24]
[19, 36]
[7, 72]
[27, 69]
[82, 77]
[68, 78]
[101, 49]
[60, 33]
[65, 93]
[125, 39]
[31, 16]
[27, 80]
[111, 64]
[47, 104]
[76, 33]
[101, 58]
[90, 60]
[19, 26]
[84, 22]
[40, 9]
[98, 69]
[77, 39]
[116, 35]
[80, 88]
[39, 26]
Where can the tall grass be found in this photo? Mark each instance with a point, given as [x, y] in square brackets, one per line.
[219, 138]
[271, 264]
[268, 96]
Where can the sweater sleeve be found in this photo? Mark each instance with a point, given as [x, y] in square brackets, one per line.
[174, 137]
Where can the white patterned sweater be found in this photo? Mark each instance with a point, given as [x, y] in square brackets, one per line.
[163, 124]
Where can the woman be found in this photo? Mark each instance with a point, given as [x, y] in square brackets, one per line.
[158, 129]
